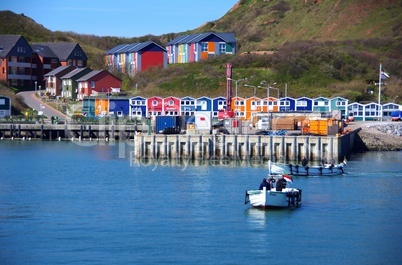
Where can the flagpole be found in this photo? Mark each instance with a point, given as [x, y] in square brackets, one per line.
[379, 87]
[379, 92]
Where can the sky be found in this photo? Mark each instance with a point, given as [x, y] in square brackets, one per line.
[120, 18]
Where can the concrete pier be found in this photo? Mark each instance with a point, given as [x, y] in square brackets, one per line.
[243, 147]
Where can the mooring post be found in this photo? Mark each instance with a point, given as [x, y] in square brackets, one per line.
[154, 156]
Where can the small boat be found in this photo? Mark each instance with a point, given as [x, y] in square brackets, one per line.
[278, 197]
[299, 170]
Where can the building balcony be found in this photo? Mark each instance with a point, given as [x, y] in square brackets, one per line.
[19, 64]
[20, 77]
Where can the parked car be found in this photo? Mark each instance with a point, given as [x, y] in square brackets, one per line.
[396, 115]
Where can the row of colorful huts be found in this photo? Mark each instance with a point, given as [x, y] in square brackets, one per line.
[131, 58]
[244, 108]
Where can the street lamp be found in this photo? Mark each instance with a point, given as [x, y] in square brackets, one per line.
[268, 90]
[237, 81]
[276, 89]
[253, 87]
[36, 83]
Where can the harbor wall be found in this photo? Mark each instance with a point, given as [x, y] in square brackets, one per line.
[194, 147]
[243, 147]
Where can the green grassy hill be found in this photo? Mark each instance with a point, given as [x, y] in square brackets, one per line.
[267, 25]
[312, 47]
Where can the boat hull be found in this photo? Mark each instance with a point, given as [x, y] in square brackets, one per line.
[288, 197]
[328, 170]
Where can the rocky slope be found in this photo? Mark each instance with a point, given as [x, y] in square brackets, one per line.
[380, 137]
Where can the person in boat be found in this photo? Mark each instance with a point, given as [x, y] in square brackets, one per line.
[265, 183]
[271, 181]
[304, 161]
[280, 184]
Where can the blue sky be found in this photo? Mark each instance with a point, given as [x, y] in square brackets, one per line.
[120, 18]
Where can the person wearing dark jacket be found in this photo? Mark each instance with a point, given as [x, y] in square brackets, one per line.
[271, 181]
[280, 184]
[304, 161]
[265, 183]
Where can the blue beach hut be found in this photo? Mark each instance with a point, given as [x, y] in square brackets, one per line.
[138, 107]
[304, 104]
[218, 103]
[287, 104]
[339, 104]
[187, 106]
[119, 107]
[204, 104]
[5, 106]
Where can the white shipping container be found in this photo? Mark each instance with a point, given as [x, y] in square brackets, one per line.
[203, 121]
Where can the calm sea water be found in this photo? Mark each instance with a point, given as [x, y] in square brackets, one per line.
[64, 203]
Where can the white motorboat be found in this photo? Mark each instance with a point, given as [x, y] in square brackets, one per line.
[275, 197]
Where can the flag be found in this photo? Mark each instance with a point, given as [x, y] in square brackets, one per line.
[384, 74]
[274, 169]
[287, 178]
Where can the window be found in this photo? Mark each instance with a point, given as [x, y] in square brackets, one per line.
[2, 101]
[340, 103]
[21, 49]
[171, 102]
[301, 103]
[204, 46]
[92, 84]
[237, 102]
[222, 47]
[154, 102]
